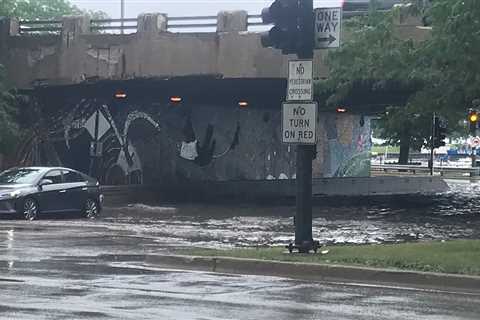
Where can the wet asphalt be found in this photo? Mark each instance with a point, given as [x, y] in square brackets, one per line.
[71, 268]
[77, 270]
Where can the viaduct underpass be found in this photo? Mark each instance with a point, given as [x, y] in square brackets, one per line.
[222, 129]
[108, 104]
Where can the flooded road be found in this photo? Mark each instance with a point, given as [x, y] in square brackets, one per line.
[448, 216]
[71, 268]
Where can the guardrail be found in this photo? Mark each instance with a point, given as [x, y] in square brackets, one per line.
[40, 26]
[189, 23]
[443, 171]
[131, 24]
[98, 25]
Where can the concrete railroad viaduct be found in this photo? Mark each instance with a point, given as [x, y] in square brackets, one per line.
[73, 73]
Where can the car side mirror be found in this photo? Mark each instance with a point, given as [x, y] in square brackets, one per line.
[45, 182]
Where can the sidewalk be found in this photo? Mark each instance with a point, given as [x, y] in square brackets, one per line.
[321, 272]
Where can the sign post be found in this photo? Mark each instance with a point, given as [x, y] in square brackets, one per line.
[300, 29]
[299, 127]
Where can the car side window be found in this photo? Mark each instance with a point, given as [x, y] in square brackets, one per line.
[72, 177]
[55, 176]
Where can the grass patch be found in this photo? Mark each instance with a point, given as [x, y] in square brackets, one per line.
[460, 256]
[381, 149]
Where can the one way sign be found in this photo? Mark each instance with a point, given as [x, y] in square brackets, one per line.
[328, 25]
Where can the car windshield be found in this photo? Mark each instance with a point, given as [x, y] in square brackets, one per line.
[19, 176]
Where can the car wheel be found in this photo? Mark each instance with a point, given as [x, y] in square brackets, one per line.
[91, 209]
[30, 209]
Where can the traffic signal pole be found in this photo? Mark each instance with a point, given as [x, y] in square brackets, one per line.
[473, 125]
[294, 33]
[303, 220]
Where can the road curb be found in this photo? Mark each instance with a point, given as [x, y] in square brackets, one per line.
[321, 272]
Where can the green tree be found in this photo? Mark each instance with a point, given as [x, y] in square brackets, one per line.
[454, 48]
[444, 69]
[375, 56]
[43, 9]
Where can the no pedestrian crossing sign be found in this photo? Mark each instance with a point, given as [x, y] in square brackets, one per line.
[328, 25]
[300, 80]
[299, 125]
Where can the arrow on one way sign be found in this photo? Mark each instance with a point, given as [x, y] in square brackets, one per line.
[330, 39]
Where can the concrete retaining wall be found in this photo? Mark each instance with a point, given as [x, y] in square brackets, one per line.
[277, 189]
[330, 187]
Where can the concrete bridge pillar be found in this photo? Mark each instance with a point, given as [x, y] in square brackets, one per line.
[8, 27]
[151, 23]
[72, 27]
[232, 21]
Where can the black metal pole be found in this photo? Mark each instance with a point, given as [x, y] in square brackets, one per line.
[474, 157]
[303, 220]
[432, 145]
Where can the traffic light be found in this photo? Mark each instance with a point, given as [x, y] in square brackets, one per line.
[440, 132]
[473, 122]
[293, 30]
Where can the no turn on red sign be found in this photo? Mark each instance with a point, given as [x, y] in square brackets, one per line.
[299, 125]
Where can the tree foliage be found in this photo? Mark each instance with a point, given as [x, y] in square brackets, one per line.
[445, 65]
[43, 9]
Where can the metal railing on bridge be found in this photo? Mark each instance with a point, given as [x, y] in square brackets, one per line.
[40, 26]
[423, 170]
[130, 25]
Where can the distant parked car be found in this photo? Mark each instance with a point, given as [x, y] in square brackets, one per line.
[32, 191]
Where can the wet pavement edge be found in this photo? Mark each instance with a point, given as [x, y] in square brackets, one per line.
[322, 272]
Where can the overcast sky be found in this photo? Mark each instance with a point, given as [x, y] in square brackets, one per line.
[182, 7]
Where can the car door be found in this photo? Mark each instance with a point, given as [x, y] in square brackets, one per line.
[52, 197]
[77, 190]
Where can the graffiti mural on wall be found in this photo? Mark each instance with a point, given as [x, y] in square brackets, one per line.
[349, 145]
[111, 151]
[203, 153]
[89, 138]
[147, 142]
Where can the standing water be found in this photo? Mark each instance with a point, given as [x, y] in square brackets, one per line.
[452, 215]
